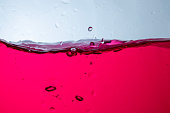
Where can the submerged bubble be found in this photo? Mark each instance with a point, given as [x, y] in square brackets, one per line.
[91, 63]
[79, 98]
[56, 96]
[50, 88]
[52, 108]
[72, 52]
[90, 28]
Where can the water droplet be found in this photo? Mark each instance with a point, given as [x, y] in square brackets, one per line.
[50, 88]
[90, 29]
[79, 98]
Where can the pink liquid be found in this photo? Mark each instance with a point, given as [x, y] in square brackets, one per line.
[100, 77]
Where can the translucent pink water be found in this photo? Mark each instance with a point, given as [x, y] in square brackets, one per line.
[115, 77]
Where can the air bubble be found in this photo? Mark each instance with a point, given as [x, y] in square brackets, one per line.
[73, 49]
[52, 108]
[72, 52]
[91, 63]
[56, 96]
[79, 98]
[90, 29]
[50, 88]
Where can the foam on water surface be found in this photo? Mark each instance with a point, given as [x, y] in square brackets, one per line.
[87, 46]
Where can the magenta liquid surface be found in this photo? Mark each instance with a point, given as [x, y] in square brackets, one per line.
[88, 76]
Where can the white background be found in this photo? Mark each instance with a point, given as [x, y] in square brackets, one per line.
[63, 20]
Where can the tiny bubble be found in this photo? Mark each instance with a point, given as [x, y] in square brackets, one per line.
[91, 63]
[90, 28]
[72, 52]
[79, 98]
[73, 49]
[57, 96]
[52, 108]
[50, 88]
